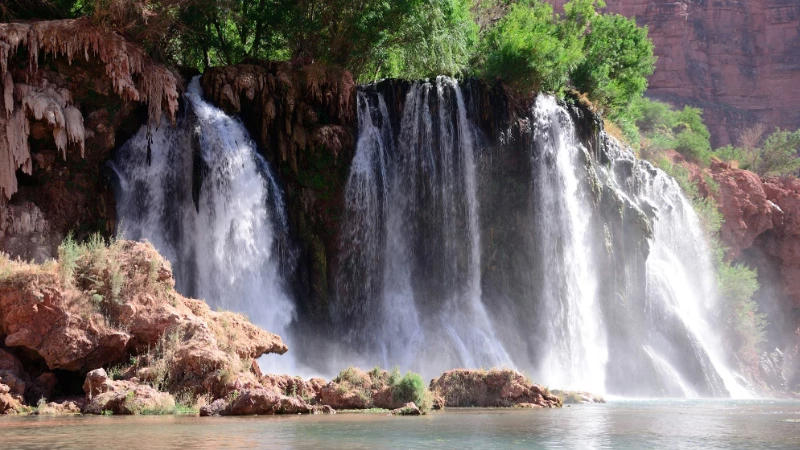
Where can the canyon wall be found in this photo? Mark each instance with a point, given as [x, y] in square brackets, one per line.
[738, 60]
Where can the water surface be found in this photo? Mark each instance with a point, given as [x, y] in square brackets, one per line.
[619, 424]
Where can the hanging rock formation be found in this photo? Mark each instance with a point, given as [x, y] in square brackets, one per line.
[67, 86]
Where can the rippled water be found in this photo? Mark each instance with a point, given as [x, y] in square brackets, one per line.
[619, 424]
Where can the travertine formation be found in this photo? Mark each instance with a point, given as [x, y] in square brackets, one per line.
[491, 388]
[28, 97]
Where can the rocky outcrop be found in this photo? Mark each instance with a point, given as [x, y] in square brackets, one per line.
[493, 388]
[738, 60]
[123, 397]
[9, 403]
[104, 306]
[762, 215]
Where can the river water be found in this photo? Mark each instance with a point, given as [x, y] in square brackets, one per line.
[618, 424]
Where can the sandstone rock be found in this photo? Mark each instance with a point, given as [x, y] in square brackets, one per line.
[734, 59]
[67, 407]
[341, 397]
[493, 388]
[266, 402]
[744, 206]
[577, 397]
[294, 386]
[69, 330]
[43, 386]
[123, 397]
[9, 403]
[12, 373]
[324, 409]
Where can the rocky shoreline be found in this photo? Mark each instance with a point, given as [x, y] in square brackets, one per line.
[103, 331]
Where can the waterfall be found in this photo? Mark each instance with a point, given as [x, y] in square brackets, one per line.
[203, 196]
[583, 267]
[411, 238]
[576, 344]
[598, 275]
[682, 296]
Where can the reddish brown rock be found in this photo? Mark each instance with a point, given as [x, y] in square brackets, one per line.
[294, 386]
[67, 407]
[738, 60]
[70, 328]
[744, 206]
[12, 374]
[9, 403]
[493, 388]
[266, 402]
[123, 397]
[409, 409]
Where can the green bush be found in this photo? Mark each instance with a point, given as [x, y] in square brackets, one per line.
[618, 59]
[692, 145]
[68, 253]
[663, 128]
[411, 388]
[530, 48]
[439, 42]
[778, 156]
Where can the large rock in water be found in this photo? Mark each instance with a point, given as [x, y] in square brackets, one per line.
[738, 60]
[123, 397]
[493, 388]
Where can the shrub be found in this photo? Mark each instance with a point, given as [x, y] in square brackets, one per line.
[411, 388]
[530, 49]
[68, 253]
[779, 155]
[618, 59]
[440, 42]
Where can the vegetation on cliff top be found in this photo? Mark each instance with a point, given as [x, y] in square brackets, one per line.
[525, 43]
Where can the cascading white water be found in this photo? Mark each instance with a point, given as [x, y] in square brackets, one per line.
[576, 353]
[207, 201]
[415, 246]
[418, 295]
[421, 188]
[681, 287]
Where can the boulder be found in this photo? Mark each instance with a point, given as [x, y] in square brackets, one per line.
[266, 402]
[493, 388]
[215, 408]
[9, 403]
[123, 397]
[67, 407]
[77, 321]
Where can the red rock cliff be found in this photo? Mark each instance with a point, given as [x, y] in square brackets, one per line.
[738, 60]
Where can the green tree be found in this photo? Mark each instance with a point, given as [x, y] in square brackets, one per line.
[618, 60]
[530, 48]
[439, 42]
